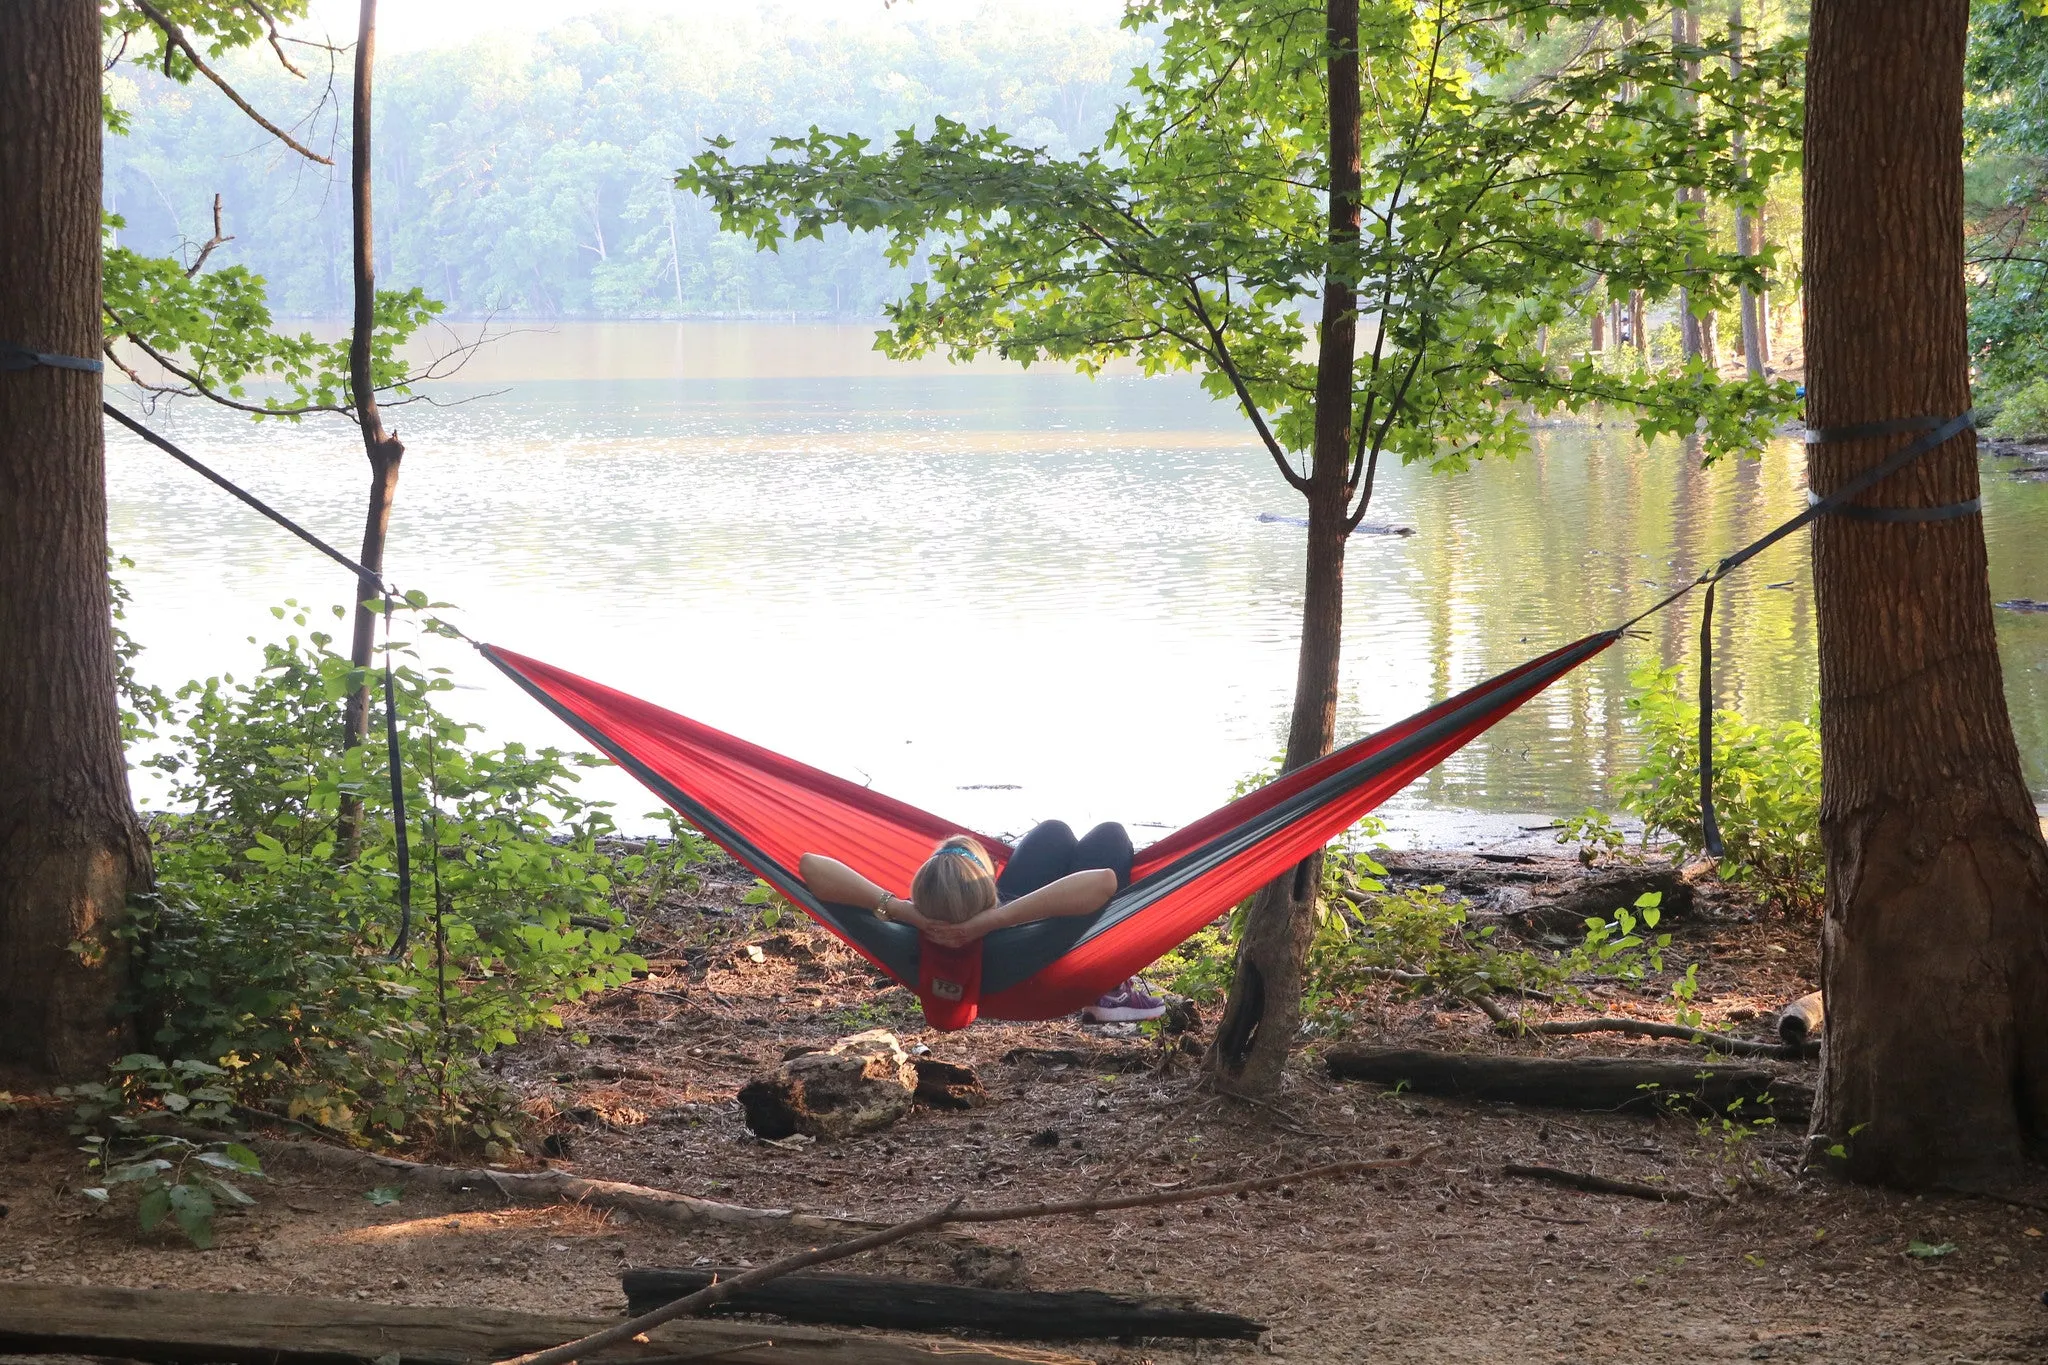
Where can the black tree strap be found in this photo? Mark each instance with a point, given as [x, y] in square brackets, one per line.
[1938, 431]
[1945, 512]
[13, 357]
[398, 824]
[1710, 828]
[390, 689]
[236, 490]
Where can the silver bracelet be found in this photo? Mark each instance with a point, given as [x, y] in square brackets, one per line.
[882, 907]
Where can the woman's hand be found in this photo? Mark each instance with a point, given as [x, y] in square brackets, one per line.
[954, 935]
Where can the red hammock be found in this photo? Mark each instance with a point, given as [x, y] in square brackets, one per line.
[768, 811]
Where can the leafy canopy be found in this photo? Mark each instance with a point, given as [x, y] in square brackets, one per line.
[1508, 182]
[2007, 122]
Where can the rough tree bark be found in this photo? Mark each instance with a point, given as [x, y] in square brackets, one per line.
[384, 449]
[71, 849]
[1935, 946]
[1264, 1008]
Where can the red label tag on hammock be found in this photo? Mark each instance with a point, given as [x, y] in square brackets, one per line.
[949, 984]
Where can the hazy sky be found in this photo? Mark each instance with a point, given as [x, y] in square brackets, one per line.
[408, 25]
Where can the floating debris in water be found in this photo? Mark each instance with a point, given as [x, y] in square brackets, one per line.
[1367, 528]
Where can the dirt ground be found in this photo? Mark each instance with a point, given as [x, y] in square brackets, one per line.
[1448, 1261]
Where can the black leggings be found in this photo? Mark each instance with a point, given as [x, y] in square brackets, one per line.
[1050, 851]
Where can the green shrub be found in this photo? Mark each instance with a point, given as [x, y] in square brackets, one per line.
[2023, 414]
[268, 946]
[1766, 790]
[1368, 933]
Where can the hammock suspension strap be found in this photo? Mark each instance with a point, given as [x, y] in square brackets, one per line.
[1938, 431]
[398, 821]
[13, 357]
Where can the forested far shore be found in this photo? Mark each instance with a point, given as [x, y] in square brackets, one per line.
[534, 176]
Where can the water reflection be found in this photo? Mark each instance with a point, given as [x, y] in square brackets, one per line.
[1005, 596]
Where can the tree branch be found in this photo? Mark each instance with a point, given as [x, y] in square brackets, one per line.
[174, 37]
[1220, 349]
[206, 247]
[270, 24]
[199, 386]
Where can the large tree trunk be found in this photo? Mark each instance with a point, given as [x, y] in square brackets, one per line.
[1264, 1008]
[71, 849]
[384, 449]
[1935, 947]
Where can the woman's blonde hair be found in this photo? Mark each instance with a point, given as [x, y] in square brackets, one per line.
[956, 883]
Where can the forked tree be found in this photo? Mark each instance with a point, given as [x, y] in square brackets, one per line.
[1441, 182]
[207, 334]
[1935, 946]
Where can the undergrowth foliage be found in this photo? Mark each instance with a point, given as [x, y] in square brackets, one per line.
[1369, 932]
[268, 949]
[1766, 790]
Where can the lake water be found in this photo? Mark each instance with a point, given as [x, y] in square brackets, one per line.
[1001, 595]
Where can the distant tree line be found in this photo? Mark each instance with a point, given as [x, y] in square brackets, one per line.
[535, 177]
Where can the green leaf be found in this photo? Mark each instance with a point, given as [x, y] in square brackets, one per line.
[385, 1194]
[245, 1160]
[150, 1212]
[1927, 1251]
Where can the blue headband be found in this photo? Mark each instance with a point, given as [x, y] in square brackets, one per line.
[955, 848]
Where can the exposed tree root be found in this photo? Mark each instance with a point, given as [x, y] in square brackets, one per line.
[557, 1187]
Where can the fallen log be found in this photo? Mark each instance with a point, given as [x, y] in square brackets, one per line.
[1597, 1083]
[921, 1306]
[256, 1329]
[1804, 1018]
[713, 1294]
[1596, 1184]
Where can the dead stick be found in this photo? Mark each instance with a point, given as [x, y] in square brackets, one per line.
[951, 1213]
[1596, 1184]
[1641, 1028]
[1143, 1201]
[1651, 1028]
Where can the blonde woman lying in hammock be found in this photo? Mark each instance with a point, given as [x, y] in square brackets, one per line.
[956, 897]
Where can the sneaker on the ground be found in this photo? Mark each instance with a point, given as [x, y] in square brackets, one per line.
[1126, 1004]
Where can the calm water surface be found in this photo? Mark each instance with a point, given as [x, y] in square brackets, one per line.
[1001, 595]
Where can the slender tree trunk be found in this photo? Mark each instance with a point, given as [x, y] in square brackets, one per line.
[1760, 235]
[385, 450]
[1745, 244]
[1639, 323]
[1935, 946]
[1264, 1009]
[71, 849]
